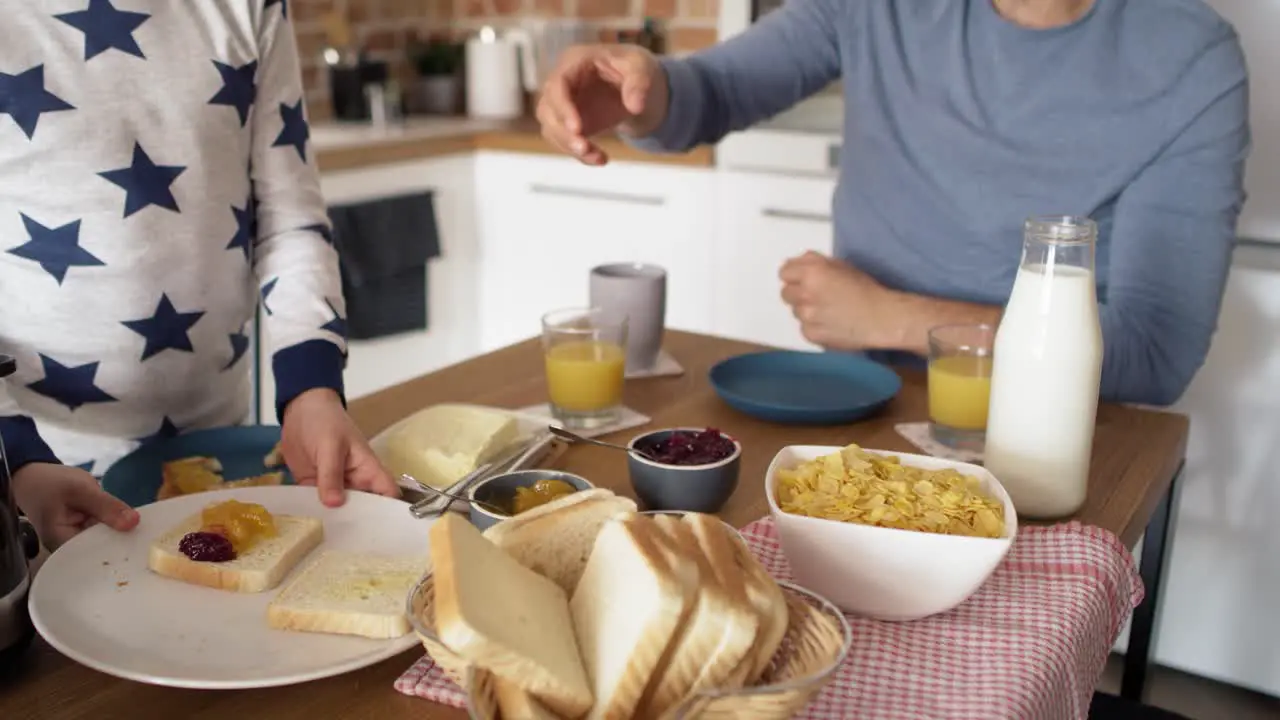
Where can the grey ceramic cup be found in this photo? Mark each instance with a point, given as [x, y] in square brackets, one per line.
[639, 292]
[499, 490]
[692, 488]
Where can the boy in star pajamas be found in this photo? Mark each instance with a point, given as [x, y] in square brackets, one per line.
[155, 181]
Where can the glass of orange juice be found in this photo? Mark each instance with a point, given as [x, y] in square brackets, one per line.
[960, 384]
[586, 356]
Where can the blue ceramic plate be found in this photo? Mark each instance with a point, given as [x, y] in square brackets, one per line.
[136, 478]
[805, 388]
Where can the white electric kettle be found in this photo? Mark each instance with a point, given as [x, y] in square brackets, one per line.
[500, 70]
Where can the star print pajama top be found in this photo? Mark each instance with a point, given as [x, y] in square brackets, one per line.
[155, 182]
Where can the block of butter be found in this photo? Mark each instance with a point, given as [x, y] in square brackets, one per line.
[440, 444]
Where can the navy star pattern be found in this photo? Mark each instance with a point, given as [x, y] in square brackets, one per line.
[266, 292]
[238, 90]
[106, 28]
[71, 387]
[24, 98]
[295, 132]
[86, 466]
[167, 329]
[284, 6]
[55, 249]
[239, 346]
[243, 239]
[145, 183]
[167, 430]
[337, 325]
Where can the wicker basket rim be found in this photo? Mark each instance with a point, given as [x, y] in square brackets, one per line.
[829, 608]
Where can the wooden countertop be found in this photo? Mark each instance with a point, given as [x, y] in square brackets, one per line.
[1135, 455]
[350, 147]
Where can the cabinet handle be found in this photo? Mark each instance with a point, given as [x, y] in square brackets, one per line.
[597, 195]
[796, 215]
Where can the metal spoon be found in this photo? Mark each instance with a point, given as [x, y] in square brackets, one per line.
[576, 438]
[470, 501]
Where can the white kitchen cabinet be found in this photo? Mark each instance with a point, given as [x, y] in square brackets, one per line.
[762, 220]
[545, 221]
[452, 333]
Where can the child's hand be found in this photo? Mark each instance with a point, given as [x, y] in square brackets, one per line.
[322, 447]
[61, 501]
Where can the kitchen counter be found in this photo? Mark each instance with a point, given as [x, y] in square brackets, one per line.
[348, 146]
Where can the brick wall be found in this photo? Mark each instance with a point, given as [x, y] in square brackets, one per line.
[387, 27]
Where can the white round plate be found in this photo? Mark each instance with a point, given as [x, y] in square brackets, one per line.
[95, 601]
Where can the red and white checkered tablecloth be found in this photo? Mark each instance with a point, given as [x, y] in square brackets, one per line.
[1029, 645]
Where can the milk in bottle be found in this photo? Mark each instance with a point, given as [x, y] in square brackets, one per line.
[1046, 370]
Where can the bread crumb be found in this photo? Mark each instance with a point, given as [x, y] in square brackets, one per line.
[122, 583]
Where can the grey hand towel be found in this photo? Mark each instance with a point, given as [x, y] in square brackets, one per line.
[384, 246]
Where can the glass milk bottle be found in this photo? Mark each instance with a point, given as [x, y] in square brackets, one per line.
[1046, 369]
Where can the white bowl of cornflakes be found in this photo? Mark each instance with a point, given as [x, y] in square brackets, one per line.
[886, 535]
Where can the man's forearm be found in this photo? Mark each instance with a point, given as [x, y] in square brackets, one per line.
[909, 318]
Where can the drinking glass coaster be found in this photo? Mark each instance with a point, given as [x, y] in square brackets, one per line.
[627, 418]
[665, 366]
[918, 434]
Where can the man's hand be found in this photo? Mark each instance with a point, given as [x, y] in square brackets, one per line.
[595, 88]
[322, 447]
[61, 501]
[838, 306]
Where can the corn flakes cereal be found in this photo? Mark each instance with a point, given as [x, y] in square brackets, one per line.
[853, 485]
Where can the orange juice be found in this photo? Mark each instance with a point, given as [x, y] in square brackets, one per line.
[959, 391]
[585, 375]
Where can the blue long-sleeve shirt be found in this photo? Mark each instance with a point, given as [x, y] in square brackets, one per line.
[959, 124]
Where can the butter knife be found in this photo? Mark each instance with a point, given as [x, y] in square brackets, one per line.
[436, 504]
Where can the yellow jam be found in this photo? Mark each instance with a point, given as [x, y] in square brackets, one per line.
[244, 524]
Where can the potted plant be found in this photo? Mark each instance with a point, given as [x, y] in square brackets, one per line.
[438, 89]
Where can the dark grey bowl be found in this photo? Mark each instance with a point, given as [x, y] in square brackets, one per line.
[500, 488]
[692, 488]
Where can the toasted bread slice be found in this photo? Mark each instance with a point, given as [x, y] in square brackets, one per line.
[275, 458]
[505, 618]
[699, 633]
[740, 620]
[555, 540]
[189, 475]
[626, 610]
[349, 594]
[265, 479]
[516, 704]
[770, 605]
[260, 568]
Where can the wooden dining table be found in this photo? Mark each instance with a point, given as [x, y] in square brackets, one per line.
[1137, 459]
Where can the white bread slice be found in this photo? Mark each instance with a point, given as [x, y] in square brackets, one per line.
[740, 620]
[505, 618]
[700, 630]
[349, 594]
[259, 569]
[516, 704]
[555, 540]
[770, 605]
[626, 610]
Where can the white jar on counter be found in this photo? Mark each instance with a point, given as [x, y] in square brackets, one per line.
[1046, 371]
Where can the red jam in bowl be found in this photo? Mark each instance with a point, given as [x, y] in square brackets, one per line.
[685, 447]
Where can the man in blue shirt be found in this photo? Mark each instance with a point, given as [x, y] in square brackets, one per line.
[962, 118]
